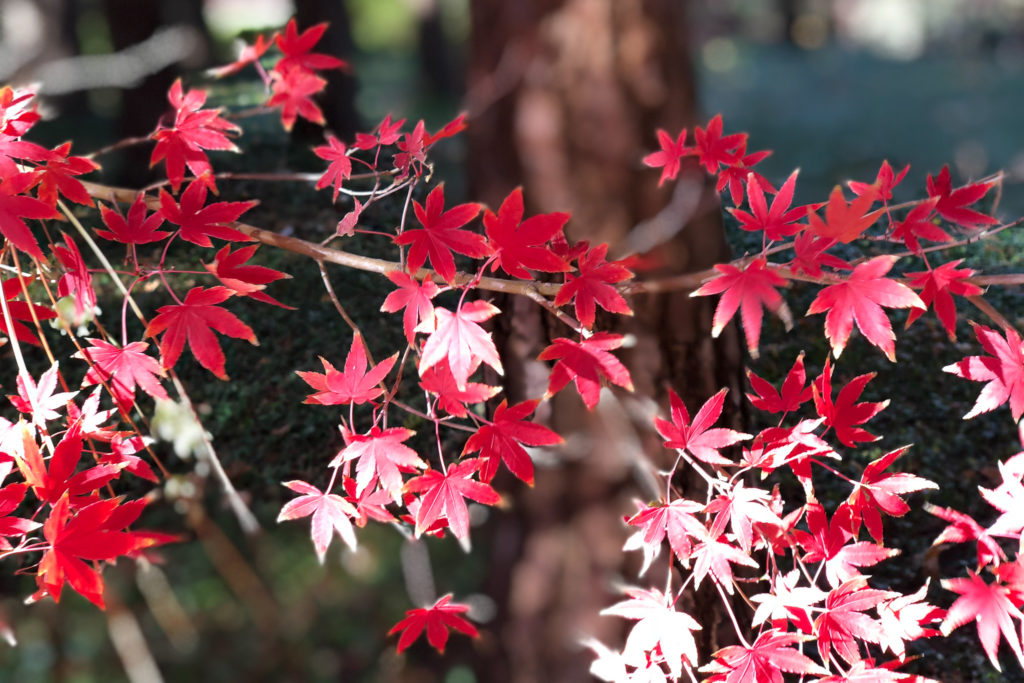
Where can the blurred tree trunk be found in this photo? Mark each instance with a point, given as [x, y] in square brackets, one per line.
[565, 96]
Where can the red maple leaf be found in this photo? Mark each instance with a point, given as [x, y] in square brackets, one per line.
[58, 177]
[698, 437]
[440, 235]
[15, 207]
[964, 529]
[50, 480]
[519, 244]
[764, 661]
[884, 183]
[659, 627]
[230, 268]
[1002, 369]
[138, 229]
[844, 222]
[810, 254]
[777, 222]
[39, 400]
[952, 203]
[592, 286]
[674, 520]
[249, 54]
[330, 514]
[918, 224]
[716, 557]
[293, 91]
[937, 287]
[860, 299]
[382, 456]
[843, 621]
[751, 290]
[669, 156]
[878, 491]
[459, 338]
[712, 148]
[794, 390]
[340, 167]
[436, 620]
[438, 380]
[123, 369]
[844, 414]
[584, 362]
[444, 493]
[198, 223]
[11, 497]
[738, 170]
[20, 310]
[95, 533]
[193, 321]
[991, 605]
[741, 508]
[297, 49]
[354, 384]
[829, 542]
[387, 133]
[503, 440]
[194, 129]
[413, 296]
[77, 280]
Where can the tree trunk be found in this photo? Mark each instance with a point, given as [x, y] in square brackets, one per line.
[565, 97]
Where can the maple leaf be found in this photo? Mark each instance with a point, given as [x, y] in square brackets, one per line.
[15, 208]
[354, 384]
[330, 514]
[918, 224]
[658, 625]
[787, 601]
[38, 400]
[340, 167]
[413, 155]
[952, 203]
[22, 310]
[843, 415]
[503, 439]
[843, 621]
[197, 224]
[794, 390]
[777, 222]
[751, 290]
[382, 456]
[592, 287]
[964, 529]
[698, 437]
[810, 254]
[194, 130]
[444, 493]
[989, 604]
[297, 49]
[192, 321]
[293, 91]
[844, 222]
[57, 478]
[937, 286]
[123, 369]
[413, 296]
[1002, 369]
[741, 507]
[438, 380]
[94, 533]
[138, 229]
[877, 491]
[122, 453]
[76, 281]
[436, 620]
[370, 504]
[884, 183]
[764, 661]
[712, 148]
[387, 133]
[903, 619]
[58, 177]
[669, 156]
[11, 497]
[860, 299]
[716, 558]
[440, 235]
[584, 362]
[459, 338]
[830, 542]
[249, 54]
[1008, 498]
[738, 170]
[674, 520]
[518, 244]
[245, 280]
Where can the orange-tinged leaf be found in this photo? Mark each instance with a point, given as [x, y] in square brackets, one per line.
[845, 222]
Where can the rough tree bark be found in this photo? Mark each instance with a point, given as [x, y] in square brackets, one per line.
[565, 96]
